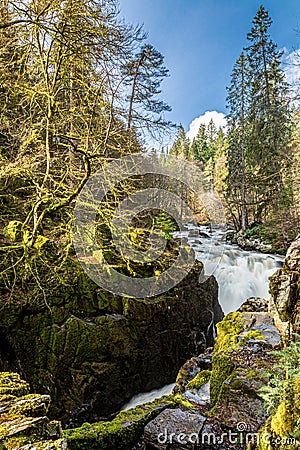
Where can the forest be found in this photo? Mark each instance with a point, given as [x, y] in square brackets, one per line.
[80, 87]
[254, 164]
[80, 90]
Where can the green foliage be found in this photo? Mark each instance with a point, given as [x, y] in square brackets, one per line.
[286, 369]
[63, 115]
[144, 73]
[180, 147]
[166, 224]
[259, 184]
[273, 233]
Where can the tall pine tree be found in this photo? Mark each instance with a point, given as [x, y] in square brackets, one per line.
[268, 130]
[238, 103]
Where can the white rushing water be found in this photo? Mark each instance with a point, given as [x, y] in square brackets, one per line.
[146, 397]
[240, 275]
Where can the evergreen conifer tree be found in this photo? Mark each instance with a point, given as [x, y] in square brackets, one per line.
[268, 130]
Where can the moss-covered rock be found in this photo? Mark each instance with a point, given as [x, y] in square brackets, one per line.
[285, 286]
[92, 351]
[200, 379]
[228, 331]
[23, 421]
[11, 383]
[240, 360]
[191, 369]
[32, 405]
[119, 434]
[282, 429]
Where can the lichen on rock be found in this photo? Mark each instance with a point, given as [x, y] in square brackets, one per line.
[23, 421]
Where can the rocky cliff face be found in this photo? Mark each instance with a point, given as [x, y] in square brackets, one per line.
[285, 286]
[23, 421]
[217, 400]
[224, 389]
[93, 352]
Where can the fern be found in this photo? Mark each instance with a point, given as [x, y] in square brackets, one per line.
[281, 376]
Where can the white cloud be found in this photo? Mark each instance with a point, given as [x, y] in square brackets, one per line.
[217, 117]
[292, 67]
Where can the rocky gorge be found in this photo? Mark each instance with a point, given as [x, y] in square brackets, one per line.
[216, 402]
[93, 356]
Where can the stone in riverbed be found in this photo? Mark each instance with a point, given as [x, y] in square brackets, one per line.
[60, 444]
[191, 368]
[174, 429]
[254, 304]
[284, 286]
[200, 396]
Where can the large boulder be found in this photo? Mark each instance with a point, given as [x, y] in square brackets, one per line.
[221, 407]
[94, 351]
[174, 429]
[24, 424]
[285, 286]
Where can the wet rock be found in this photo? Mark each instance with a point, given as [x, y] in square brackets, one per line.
[229, 236]
[93, 357]
[174, 429]
[284, 286]
[23, 421]
[247, 243]
[255, 304]
[260, 326]
[194, 233]
[121, 433]
[240, 361]
[200, 396]
[191, 368]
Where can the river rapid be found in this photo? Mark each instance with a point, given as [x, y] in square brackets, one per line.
[240, 275]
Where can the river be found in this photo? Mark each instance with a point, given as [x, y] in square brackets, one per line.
[240, 274]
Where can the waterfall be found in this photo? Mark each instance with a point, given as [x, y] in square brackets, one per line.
[146, 397]
[240, 274]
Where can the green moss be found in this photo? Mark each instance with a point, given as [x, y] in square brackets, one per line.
[11, 383]
[31, 405]
[265, 437]
[251, 335]
[228, 330]
[222, 367]
[14, 443]
[17, 429]
[14, 230]
[282, 421]
[119, 434]
[283, 425]
[252, 374]
[200, 379]
[182, 401]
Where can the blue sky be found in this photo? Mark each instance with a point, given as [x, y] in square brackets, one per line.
[201, 40]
